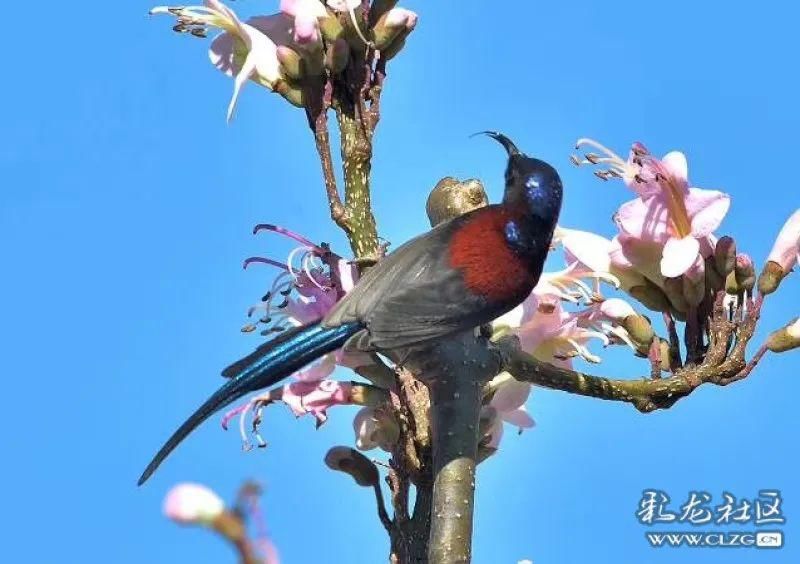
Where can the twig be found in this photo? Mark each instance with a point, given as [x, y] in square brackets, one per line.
[646, 394]
[319, 123]
[674, 342]
[382, 514]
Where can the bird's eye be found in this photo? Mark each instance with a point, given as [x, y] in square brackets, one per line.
[532, 183]
[534, 187]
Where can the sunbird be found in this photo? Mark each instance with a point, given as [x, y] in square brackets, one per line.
[460, 275]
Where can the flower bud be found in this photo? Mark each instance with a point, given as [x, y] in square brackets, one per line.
[393, 26]
[331, 29]
[731, 285]
[639, 329]
[291, 63]
[392, 50]
[350, 461]
[694, 283]
[337, 56]
[745, 272]
[451, 198]
[193, 504]
[664, 351]
[378, 9]
[651, 296]
[673, 288]
[725, 255]
[786, 338]
[770, 278]
[786, 249]
[714, 280]
[291, 94]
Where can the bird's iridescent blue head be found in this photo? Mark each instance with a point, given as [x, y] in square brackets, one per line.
[534, 191]
[530, 181]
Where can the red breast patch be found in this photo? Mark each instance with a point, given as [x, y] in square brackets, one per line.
[490, 267]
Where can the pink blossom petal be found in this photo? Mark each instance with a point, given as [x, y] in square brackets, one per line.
[315, 398]
[519, 418]
[587, 248]
[679, 255]
[510, 396]
[319, 370]
[495, 431]
[645, 256]
[221, 53]
[278, 27]
[615, 309]
[707, 209]
[675, 164]
[787, 245]
[647, 220]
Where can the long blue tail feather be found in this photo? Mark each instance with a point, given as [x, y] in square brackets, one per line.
[266, 366]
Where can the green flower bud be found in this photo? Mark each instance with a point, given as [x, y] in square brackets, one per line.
[673, 288]
[331, 28]
[291, 63]
[731, 285]
[650, 296]
[451, 198]
[770, 277]
[392, 50]
[639, 329]
[714, 280]
[694, 289]
[664, 351]
[291, 94]
[786, 338]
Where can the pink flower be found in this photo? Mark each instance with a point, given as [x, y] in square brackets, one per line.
[311, 281]
[667, 212]
[260, 52]
[192, 504]
[306, 14]
[313, 394]
[546, 330]
[786, 250]
[594, 255]
[508, 405]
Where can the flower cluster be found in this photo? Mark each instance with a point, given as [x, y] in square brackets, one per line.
[309, 283]
[289, 51]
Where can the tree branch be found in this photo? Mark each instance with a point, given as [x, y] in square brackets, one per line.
[646, 394]
[456, 371]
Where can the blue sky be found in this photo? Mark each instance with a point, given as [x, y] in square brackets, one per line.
[126, 208]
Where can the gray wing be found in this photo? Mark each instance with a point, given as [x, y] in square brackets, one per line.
[413, 295]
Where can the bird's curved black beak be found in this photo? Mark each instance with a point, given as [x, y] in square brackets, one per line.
[507, 143]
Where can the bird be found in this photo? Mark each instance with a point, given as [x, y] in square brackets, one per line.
[460, 275]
